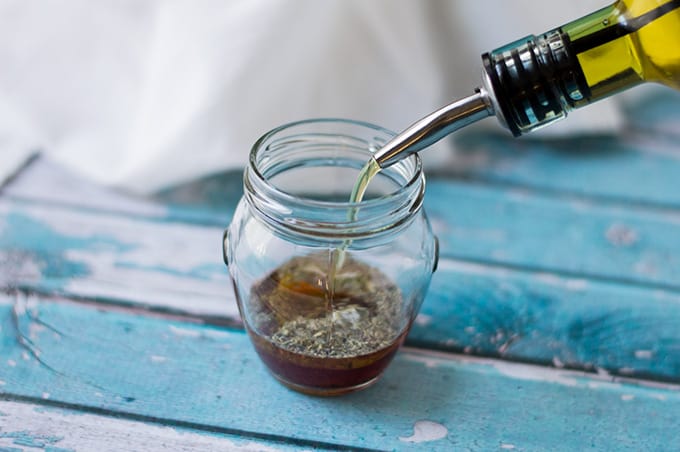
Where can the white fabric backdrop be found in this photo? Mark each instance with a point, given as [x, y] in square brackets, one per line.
[144, 93]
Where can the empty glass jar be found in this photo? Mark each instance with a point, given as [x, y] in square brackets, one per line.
[328, 289]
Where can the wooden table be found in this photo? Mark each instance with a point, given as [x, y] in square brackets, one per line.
[552, 323]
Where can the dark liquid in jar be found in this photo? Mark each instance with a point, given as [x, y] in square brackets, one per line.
[326, 335]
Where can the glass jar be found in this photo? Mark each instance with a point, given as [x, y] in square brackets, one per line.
[328, 289]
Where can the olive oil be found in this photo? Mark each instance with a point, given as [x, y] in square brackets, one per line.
[627, 43]
[367, 173]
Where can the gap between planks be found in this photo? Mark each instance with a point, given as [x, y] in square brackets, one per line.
[43, 423]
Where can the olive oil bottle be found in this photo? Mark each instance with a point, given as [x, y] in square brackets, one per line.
[537, 80]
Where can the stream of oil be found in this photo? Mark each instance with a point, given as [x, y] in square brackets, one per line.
[337, 256]
[367, 173]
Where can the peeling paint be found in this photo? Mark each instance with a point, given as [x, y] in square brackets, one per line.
[29, 439]
[423, 319]
[576, 285]
[429, 361]
[557, 362]
[535, 373]
[424, 431]
[621, 235]
[184, 332]
[644, 354]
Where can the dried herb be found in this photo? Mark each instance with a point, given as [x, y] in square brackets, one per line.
[354, 311]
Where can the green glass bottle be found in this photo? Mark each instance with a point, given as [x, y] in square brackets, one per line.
[537, 80]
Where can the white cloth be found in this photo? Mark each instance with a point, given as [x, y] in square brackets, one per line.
[143, 93]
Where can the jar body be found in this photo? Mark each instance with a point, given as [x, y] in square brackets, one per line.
[328, 289]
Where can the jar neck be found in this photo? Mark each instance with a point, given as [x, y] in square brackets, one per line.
[279, 183]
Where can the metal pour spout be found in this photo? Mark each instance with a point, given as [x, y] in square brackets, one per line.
[434, 127]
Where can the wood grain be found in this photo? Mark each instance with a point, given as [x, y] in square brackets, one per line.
[552, 320]
[531, 231]
[186, 374]
[37, 426]
[162, 264]
[552, 316]
[639, 164]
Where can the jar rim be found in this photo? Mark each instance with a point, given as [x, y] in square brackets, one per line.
[380, 214]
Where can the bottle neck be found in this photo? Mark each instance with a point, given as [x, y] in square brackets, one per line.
[534, 81]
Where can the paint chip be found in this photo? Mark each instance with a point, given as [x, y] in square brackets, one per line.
[576, 285]
[507, 446]
[424, 431]
[45, 395]
[11, 363]
[3, 383]
[602, 372]
[627, 397]
[557, 362]
[621, 235]
[643, 354]
[423, 319]
[184, 332]
[158, 359]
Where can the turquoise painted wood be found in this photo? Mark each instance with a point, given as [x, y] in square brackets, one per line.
[639, 165]
[552, 320]
[37, 426]
[493, 309]
[479, 224]
[114, 258]
[607, 168]
[530, 231]
[188, 375]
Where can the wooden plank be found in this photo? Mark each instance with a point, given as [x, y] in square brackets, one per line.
[552, 320]
[201, 375]
[477, 224]
[521, 229]
[533, 316]
[161, 264]
[640, 164]
[625, 170]
[529, 231]
[37, 426]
